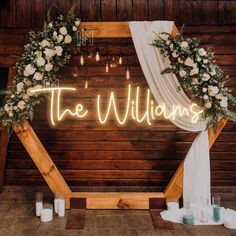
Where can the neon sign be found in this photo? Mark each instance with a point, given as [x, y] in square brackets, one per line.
[132, 108]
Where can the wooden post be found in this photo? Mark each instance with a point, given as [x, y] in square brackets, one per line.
[42, 160]
[174, 190]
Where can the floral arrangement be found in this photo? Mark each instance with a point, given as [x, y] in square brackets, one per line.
[42, 57]
[201, 79]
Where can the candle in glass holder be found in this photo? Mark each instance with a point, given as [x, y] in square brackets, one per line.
[216, 208]
[204, 215]
[38, 203]
[47, 213]
[61, 206]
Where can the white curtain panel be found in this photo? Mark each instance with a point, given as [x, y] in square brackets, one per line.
[164, 88]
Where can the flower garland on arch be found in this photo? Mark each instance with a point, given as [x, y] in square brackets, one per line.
[42, 57]
[201, 79]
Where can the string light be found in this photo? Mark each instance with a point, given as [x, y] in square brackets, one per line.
[81, 60]
[127, 73]
[107, 67]
[113, 63]
[132, 109]
[86, 84]
[97, 56]
[120, 59]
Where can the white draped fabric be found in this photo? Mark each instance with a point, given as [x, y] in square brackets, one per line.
[164, 88]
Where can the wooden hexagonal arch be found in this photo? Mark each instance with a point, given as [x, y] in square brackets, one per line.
[101, 200]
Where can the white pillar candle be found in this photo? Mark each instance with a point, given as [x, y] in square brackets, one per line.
[204, 215]
[46, 215]
[39, 207]
[61, 207]
[56, 205]
[172, 206]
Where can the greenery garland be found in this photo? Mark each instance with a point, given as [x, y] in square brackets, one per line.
[42, 57]
[201, 79]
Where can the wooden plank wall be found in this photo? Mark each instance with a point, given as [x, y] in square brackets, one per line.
[92, 155]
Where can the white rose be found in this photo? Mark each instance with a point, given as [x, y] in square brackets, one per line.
[184, 44]
[13, 95]
[38, 76]
[77, 23]
[74, 28]
[21, 104]
[50, 25]
[175, 54]
[213, 90]
[218, 96]
[59, 38]
[199, 59]
[194, 71]
[224, 99]
[167, 42]
[40, 61]
[205, 77]
[48, 67]
[204, 90]
[213, 73]
[180, 60]
[29, 70]
[20, 87]
[8, 108]
[223, 103]
[58, 50]
[15, 108]
[205, 97]
[205, 61]
[194, 81]
[45, 43]
[63, 30]
[67, 39]
[49, 53]
[26, 97]
[207, 105]
[182, 73]
[10, 114]
[189, 62]
[202, 52]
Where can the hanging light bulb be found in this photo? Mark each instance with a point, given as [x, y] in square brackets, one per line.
[107, 67]
[113, 63]
[81, 60]
[86, 83]
[121, 59]
[97, 56]
[127, 73]
[75, 72]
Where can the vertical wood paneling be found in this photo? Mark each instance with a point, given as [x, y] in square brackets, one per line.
[124, 10]
[108, 11]
[172, 10]
[156, 9]
[38, 12]
[23, 13]
[190, 12]
[91, 10]
[140, 9]
[227, 12]
[8, 14]
[78, 10]
[209, 12]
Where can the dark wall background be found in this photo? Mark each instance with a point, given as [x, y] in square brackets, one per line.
[92, 155]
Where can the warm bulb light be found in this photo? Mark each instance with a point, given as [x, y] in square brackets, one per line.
[120, 59]
[107, 67]
[81, 60]
[97, 56]
[86, 84]
[127, 73]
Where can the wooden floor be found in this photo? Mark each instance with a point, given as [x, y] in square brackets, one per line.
[17, 218]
